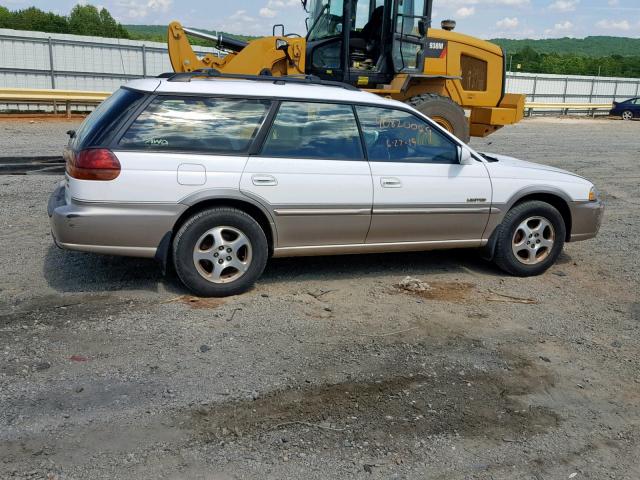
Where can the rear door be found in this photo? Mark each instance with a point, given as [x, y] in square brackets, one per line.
[421, 192]
[312, 175]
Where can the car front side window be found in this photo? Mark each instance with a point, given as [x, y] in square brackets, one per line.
[398, 136]
[315, 131]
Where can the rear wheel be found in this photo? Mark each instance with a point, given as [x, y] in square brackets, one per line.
[627, 115]
[220, 252]
[530, 238]
[444, 111]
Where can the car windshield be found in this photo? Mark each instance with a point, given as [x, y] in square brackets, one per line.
[325, 19]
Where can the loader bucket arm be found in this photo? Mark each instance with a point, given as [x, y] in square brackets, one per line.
[181, 54]
[256, 57]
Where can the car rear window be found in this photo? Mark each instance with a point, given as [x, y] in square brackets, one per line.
[101, 122]
[195, 124]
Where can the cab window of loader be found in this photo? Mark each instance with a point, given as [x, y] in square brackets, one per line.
[315, 131]
[196, 124]
[397, 136]
[326, 19]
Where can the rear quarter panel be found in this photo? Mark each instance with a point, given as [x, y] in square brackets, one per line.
[152, 177]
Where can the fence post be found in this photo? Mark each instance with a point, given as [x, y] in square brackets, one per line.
[53, 75]
[593, 84]
[615, 91]
[566, 87]
[533, 94]
[144, 61]
[638, 89]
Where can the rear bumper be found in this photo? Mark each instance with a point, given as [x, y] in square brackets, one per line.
[134, 230]
[586, 218]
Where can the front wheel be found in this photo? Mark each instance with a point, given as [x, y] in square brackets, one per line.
[530, 238]
[627, 115]
[220, 252]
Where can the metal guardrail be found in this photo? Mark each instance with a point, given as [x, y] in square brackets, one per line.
[565, 108]
[55, 97]
[75, 97]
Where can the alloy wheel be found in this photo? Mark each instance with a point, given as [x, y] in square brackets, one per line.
[222, 254]
[533, 240]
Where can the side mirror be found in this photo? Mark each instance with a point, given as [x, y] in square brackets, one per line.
[464, 156]
[422, 28]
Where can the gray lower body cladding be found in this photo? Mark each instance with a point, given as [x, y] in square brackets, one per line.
[586, 218]
[119, 229]
[140, 229]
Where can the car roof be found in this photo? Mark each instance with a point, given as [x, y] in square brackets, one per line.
[262, 89]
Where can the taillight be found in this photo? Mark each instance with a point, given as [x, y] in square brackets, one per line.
[93, 164]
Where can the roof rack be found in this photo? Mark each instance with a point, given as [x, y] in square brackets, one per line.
[213, 73]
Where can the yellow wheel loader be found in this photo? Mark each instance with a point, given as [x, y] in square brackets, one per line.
[382, 46]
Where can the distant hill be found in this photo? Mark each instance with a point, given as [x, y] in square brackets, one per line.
[589, 46]
[159, 33]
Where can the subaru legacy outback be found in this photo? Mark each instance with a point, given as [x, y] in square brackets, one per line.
[218, 175]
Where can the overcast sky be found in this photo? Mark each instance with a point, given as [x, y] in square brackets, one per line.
[483, 18]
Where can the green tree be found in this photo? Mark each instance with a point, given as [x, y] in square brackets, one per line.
[5, 17]
[85, 20]
[108, 25]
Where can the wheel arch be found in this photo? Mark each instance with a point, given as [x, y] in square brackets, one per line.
[199, 202]
[555, 198]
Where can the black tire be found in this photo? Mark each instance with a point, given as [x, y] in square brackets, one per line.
[193, 230]
[505, 257]
[438, 107]
[630, 115]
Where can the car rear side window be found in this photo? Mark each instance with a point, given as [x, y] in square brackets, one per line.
[101, 122]
[397, 136]
[314, 130]
[196, 124]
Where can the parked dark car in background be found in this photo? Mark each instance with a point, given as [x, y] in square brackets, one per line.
[628, 109]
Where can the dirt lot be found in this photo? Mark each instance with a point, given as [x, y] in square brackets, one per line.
[326, 369]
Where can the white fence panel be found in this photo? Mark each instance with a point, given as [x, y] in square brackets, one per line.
[75, 62]
[49, 60]
[572, 88]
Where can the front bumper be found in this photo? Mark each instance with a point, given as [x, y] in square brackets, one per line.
[586, 218]
[134, 230]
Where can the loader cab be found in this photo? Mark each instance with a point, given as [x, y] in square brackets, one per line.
[366, 42]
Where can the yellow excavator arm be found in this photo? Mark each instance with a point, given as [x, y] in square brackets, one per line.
[260, 56]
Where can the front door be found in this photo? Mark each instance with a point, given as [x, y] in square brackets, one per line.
[421, 193]
[312, 174]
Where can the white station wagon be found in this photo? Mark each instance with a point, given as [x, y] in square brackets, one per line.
[218, 174]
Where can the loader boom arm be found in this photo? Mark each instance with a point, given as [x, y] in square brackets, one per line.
[260, 56]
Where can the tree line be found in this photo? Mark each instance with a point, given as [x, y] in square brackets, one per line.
[82, 20]
[532, 61]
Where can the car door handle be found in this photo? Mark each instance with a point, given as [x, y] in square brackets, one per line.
[264, 180]
[390, 182]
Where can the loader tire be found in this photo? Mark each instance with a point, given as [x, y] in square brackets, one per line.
[444, 111]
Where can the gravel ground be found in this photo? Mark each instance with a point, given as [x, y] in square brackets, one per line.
[326, 369]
